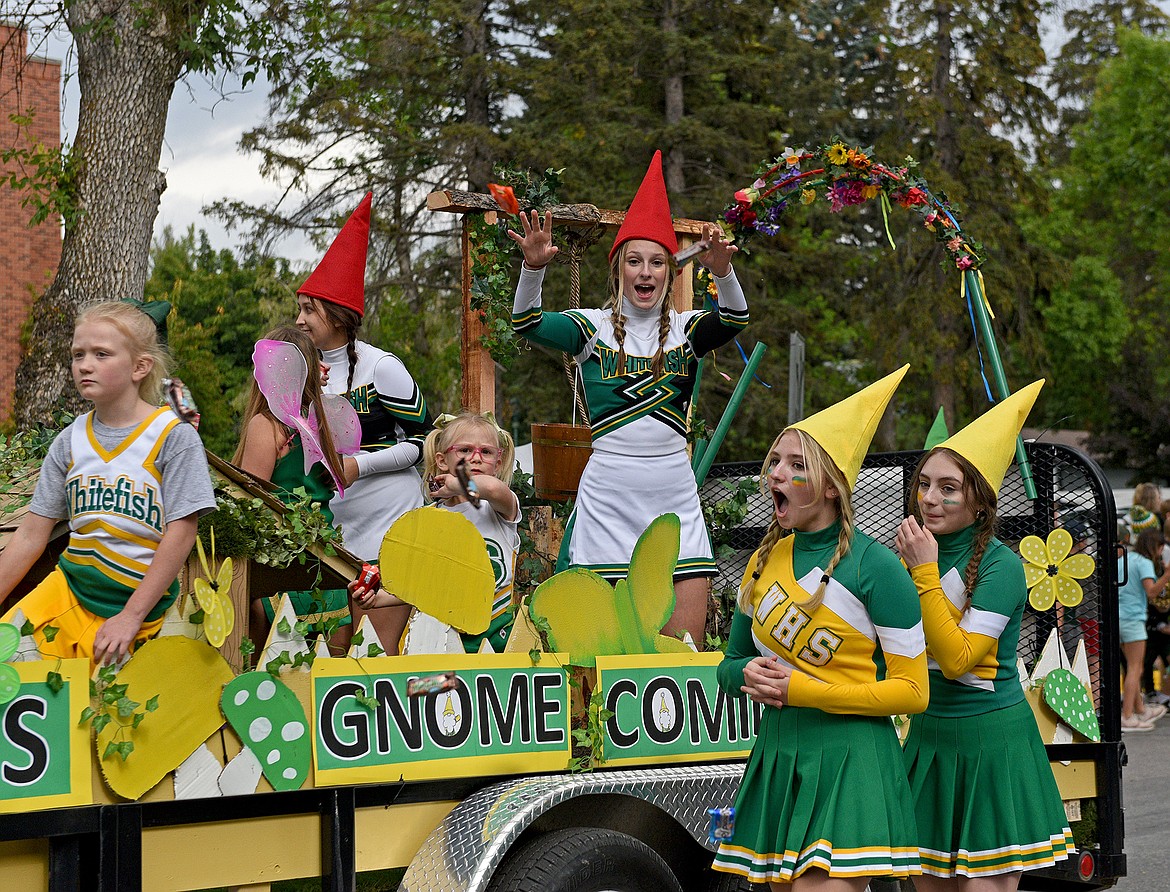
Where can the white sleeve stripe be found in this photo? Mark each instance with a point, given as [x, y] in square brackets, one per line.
[954, 588]
[903, 642]
[984, 622]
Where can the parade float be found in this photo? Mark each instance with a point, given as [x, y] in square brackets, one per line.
[199, 764]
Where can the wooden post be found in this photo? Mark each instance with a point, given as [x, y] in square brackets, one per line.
[479, 369]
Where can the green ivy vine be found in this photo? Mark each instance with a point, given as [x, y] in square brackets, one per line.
[492, 254]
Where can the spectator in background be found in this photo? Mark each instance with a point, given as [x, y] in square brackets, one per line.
[1142, 586]
[1144, 514]
[1152, 544]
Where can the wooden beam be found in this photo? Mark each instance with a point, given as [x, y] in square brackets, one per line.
[342, 563]
[454, 201]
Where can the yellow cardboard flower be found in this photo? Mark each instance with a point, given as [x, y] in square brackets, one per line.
[808, 196]
[1051, 572]
[211, 594]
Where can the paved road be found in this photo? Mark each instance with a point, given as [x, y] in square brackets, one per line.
[1146, 786]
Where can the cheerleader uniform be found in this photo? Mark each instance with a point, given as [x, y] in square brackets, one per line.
[985, 797]
[393, 416]
[825, 786]
[118, 488]
[502, 538]
[639, 468]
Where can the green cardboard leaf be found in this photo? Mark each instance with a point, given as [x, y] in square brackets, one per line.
[583, 614]
[1068, 698]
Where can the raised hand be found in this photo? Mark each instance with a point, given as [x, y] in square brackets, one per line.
[536, 242]
[717, 258]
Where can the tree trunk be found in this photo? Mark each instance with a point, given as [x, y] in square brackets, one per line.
[126, 72]
[477, 91]
[674, 101]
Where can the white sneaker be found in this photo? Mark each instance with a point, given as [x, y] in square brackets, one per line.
[1134, 723]
[1151, 713]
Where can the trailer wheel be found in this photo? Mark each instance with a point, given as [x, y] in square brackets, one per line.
[728, 882]
[584, 860]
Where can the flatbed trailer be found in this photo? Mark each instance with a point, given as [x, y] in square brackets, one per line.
[628, 828]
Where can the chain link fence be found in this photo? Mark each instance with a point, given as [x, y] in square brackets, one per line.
[1071, 493]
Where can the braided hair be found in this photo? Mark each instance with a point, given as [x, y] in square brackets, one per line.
[618, 317]
[347, 322]
[822, 473]
[978, 496]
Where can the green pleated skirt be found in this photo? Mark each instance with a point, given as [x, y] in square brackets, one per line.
[984, 795]
[822, 791]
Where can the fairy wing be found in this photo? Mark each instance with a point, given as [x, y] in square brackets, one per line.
[281, 374]
[344, 424]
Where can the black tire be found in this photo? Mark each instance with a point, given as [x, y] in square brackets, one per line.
[584, 860]
[731, 882]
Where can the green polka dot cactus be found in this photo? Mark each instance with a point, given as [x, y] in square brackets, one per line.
[1066, 695]
[271, 722]
[9, 679]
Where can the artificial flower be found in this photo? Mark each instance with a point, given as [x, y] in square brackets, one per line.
[792, 156]
[965, 262]
[505, 197]
[745, 197]
[837, 154]
[870, 190]
[213, 596]
[808, 196]
[858, 159]
[1051, 571]
[955, 243]
[912, 197]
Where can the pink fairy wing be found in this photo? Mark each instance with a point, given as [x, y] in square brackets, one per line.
[281, 374]
[343, 423]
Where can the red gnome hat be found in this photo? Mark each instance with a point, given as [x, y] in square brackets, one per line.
[649, 213]
[340, 277]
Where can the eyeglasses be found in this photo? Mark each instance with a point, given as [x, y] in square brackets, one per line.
[466, 451]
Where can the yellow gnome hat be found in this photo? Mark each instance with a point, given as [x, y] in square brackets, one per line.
[845, 430]
[989, 442]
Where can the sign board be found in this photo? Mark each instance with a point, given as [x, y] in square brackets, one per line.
[504, 716]
[45, 753]
[669, 708]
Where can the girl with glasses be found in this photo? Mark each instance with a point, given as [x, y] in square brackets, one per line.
[489, 458]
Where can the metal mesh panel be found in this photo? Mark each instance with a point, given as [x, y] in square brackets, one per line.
[1071, 493]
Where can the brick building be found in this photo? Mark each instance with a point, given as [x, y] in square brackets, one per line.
[28, 256]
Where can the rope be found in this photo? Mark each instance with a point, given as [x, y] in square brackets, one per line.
[577, 242]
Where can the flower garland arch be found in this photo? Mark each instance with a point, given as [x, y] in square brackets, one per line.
[845, 176]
